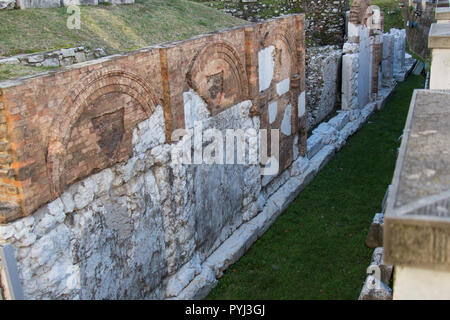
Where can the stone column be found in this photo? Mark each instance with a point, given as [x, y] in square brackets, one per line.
[388, 61]
[399, 53]
[417, 218]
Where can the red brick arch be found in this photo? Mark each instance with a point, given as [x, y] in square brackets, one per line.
[90, 89]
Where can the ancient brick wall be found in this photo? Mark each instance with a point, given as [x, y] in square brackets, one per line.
[93, 197]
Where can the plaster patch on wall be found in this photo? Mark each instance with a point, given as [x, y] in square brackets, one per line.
[283, 86]
[144, 136]
[302, 104]
[195, 108]
[266, 67]
[273, 110]
[286, 123]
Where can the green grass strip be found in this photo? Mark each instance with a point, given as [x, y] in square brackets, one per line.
[316, 250]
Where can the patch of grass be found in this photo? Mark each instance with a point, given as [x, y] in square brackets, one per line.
[8, 71]
[316, 249]
[116, 28]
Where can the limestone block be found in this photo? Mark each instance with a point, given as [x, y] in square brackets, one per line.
[399, 50]
[70, 52]
[195, 109]
[266, 67]
[340, 121]
[374, 289]
[183, 277]
[36, 58]
[51, 62]
[299, 166]
[323, 77]
[233, 248]
[200, 286]
[367, 111]
[374, 237]
[385, 271]
[350, 66]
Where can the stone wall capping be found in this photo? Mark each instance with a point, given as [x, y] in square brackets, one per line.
[417, 219]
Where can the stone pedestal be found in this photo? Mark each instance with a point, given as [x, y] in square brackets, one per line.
[439, 43]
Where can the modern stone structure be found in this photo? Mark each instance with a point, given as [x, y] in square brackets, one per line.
[417, 216]
[323, 82]
[57, 58]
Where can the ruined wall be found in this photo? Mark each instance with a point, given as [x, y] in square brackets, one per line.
[94, 196]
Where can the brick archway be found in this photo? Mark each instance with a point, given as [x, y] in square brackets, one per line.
[218, 76]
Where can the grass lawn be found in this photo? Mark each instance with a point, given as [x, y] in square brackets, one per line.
[116, 28]
[316, 250]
